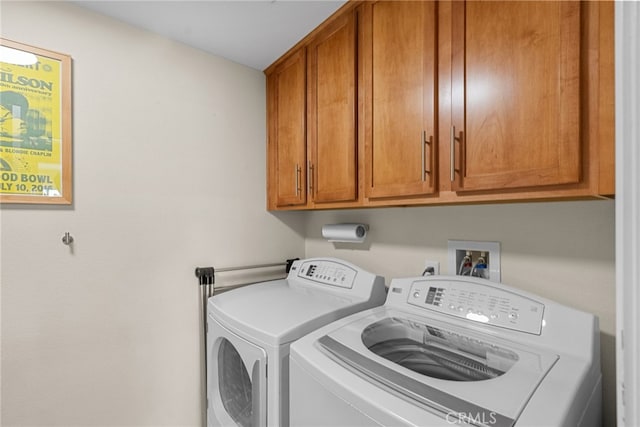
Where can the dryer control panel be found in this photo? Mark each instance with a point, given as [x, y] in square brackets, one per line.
[478, 302]
[328, 273]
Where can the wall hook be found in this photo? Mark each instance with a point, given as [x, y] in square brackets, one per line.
[67, 239]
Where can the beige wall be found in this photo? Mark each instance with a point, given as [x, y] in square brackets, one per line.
[562, 251]
[169, 167]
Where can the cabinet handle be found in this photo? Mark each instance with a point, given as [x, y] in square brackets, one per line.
[453, 153]
[425, 170]
[298, 190]
[423, 142]
[310, 176]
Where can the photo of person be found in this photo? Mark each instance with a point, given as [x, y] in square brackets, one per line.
[21, 126]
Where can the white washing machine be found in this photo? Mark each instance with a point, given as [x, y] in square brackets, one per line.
[449, 351]
[250, 329]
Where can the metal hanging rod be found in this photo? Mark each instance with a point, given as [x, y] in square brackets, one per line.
[251, 267]
[206, 275]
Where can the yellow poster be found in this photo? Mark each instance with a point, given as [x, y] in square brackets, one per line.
[32, 146]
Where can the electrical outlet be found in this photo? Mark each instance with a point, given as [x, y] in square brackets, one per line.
[477, 251]
[431, 267]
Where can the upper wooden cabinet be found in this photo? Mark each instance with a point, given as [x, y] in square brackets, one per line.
[287, 157]
[332, 102]
[312, 121]
[399, 81]
[530, 97]
[516, 94]
[422, 102]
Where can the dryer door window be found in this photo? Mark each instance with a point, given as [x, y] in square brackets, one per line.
[236, 389]
[237, 382]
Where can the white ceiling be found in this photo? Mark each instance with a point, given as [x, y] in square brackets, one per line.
[253, 33]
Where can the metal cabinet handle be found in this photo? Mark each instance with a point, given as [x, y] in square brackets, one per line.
[452, 143]
[310, 176]
[423, 142]
[425, 170]
[298, 190]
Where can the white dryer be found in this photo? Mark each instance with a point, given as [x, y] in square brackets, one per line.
[250, 329]
[450, 351]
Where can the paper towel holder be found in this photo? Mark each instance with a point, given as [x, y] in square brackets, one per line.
[345, 233]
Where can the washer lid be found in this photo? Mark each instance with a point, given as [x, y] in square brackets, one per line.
[444, 367]
[275, 313]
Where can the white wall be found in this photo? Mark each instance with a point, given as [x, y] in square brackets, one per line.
[562, 251]
[169, 167]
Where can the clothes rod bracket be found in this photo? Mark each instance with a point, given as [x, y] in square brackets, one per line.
[290, 262]
[206, 275]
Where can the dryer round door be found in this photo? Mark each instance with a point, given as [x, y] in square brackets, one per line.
[236, 383]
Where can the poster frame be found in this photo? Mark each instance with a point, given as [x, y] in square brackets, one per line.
[65, 196]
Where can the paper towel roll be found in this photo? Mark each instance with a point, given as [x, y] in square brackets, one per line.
[353, 233]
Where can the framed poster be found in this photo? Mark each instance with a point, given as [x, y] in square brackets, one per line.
[35, 125]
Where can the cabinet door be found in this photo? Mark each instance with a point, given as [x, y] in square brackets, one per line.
[286, 87]
[515, 94]
[331, 112]
[399, 48]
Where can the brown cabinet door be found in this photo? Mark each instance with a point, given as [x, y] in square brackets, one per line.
[515, 94]
[399, 60]
[331, 113]
[286, 126]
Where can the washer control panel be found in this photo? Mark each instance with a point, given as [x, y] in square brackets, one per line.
[479, 302]
[328, 273]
